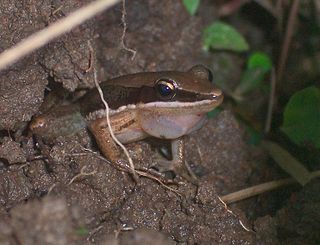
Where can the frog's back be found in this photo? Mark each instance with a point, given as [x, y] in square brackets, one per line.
[119, 91]
[116, 96]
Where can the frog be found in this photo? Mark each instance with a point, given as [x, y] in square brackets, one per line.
[167, 105]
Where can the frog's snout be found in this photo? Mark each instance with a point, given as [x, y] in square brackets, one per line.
[217, 92]
[217, 95]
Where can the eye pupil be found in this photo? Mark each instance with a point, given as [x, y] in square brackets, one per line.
[165, 89]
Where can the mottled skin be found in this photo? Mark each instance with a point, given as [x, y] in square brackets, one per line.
[165, 105]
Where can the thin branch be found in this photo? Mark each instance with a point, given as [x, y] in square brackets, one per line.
[271, 101]
[41, 38]
[232, 213]
[287, 40]
[140, 172]
[82, 173]
[279, 11]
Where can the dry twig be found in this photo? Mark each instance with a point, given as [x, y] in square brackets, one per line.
[107, 113]
[124, 23]
[82, 173]
[140, 172]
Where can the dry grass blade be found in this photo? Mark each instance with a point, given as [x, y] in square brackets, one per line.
[262, 188]
[55, 30]
[287, 162]
[255, 190]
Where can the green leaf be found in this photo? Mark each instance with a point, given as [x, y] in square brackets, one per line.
[259, 64]
[287, 162]
[301, 120]
[259, 60]
[222, 36]
[191, 6]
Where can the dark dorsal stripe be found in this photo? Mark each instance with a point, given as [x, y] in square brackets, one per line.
[118, 96]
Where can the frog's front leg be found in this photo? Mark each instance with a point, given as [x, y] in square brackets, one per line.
[125, 128]
[177, 164]
[177, 151]
[108, 147]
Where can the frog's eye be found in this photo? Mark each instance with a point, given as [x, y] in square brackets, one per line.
[165, 89]
[202, 72]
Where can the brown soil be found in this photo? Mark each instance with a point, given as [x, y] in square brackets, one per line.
[44, 198]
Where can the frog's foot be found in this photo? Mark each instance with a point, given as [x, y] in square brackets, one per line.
[167, 166]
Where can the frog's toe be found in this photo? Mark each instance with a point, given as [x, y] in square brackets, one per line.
[172, 168]
[165, 166]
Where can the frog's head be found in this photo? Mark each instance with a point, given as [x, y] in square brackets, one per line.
[190, 92]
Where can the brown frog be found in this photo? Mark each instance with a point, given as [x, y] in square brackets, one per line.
[166, 105]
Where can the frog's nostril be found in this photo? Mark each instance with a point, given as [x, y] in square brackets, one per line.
[217, 93]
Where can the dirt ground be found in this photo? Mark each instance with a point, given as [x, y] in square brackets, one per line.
[67, 194]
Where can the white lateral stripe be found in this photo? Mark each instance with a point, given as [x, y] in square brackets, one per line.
[161, 104]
